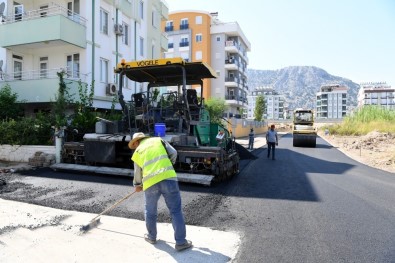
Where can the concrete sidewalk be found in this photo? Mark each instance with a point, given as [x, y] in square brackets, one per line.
[31, 233]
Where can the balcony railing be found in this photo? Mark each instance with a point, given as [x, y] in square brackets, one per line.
[41, 74]
[169, 28]
[40, 13]
[184, 26]
[232, 79]
[233, 97]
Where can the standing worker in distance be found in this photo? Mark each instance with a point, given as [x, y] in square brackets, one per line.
[154, 174]
[251, 136]
[272, 141]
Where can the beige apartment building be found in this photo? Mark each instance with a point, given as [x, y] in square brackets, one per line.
[376, 93]
[201, 36]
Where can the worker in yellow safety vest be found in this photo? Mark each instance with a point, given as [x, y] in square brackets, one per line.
[154, 174]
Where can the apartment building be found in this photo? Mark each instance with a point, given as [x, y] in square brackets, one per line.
[201, 36]
[83, 39]
[331, 102]
[274, 104]
[376, 93]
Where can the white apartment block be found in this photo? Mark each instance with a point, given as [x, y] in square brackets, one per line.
[274, 104]
[376, 93]
[331, 102]
[227, 48]
[84, 39]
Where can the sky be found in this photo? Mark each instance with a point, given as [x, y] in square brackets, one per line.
[354, 39]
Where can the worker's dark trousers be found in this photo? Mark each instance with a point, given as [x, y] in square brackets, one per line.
[271, 147]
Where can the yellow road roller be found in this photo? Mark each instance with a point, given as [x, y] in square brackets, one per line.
[304, 133]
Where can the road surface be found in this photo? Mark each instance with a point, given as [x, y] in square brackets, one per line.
[308, 205]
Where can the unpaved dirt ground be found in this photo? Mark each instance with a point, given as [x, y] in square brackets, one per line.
[375, 149]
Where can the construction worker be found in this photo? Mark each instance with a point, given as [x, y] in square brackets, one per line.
[154, 174]
[272, 141]
[251, 136]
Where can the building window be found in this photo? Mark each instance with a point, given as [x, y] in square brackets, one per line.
[125, 36]
[169, 26]
[103, 70]
[126, 82]
[103, 22]
[170, 43]
[18, 66]
[198, 20]
[141, 46]
[218, 39]
[18, 12]
[184, 42]
[43, 67]
[73, 66]
[43, 10]
[198, 37]
[198, 55]
[141, 9]
[184, 24]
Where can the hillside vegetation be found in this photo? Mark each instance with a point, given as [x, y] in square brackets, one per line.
[364, 121]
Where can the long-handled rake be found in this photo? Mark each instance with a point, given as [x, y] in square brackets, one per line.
[96, 220]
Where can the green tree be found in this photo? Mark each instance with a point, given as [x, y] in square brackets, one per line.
[216, 108]
[259, 108]
[63, 101]
[9, 107]
[84, 118]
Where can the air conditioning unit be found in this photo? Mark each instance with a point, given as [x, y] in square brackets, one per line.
[111, 89]
[118, 29]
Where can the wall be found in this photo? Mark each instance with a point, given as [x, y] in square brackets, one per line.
[241, 127]
[19, 153]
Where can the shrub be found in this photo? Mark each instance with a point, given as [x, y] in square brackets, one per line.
[365, 120]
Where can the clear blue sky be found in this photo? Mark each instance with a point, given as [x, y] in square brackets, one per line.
[354, 39]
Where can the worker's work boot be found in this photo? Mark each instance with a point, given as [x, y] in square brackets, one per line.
[149, 240]
[184, 246]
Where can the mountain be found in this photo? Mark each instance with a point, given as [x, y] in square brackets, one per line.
[300, 84]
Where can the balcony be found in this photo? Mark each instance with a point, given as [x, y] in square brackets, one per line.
[231, 64]
[231, 46]
[52, 26]
[231, 82]
[184, 26]
[235, 100]
[40, 86]
[169, 28]
[184, 44]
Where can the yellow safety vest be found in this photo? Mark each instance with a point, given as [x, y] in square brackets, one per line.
[152, 157]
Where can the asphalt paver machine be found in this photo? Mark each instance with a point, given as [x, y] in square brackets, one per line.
[206, 150]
